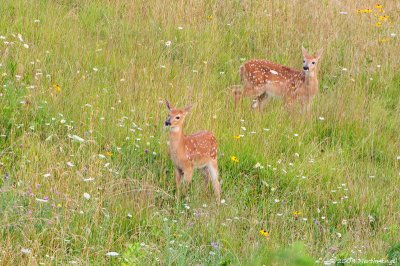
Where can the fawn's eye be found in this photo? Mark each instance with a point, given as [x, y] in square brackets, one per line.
[304, 61]
[313, 62]
[177, 117]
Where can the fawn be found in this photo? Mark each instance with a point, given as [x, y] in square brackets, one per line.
[263, 79]
[196, 151]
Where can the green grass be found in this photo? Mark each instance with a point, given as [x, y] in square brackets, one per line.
[338, 166]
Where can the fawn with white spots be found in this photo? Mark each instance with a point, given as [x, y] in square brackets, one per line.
[263, 80]
[189, 152]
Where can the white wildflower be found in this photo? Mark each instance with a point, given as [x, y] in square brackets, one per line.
[77, 138]
[112, 254]
[25, 251]
[41, 200]
[258, 165]
[371, 218]
[86, 196]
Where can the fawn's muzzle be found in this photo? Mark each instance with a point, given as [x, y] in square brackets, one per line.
[168, 122]
[305, 67]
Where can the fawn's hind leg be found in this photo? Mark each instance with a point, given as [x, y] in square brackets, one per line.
[237, 94]
[206, 175]
[213, 168]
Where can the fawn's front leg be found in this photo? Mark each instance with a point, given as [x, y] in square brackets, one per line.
[264, 100]
[260, 101]
[178, 179]
[187, 176]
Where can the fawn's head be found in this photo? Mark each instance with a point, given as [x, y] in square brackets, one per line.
[176, 116]
[310, 61]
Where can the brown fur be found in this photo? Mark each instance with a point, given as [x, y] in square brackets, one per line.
[263, 79]
[189, 152]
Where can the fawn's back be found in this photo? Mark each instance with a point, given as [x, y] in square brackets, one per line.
[262, 78]
[200, 148]
[265, 76]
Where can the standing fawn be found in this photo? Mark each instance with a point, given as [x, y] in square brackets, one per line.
[263, 80]
[196, 151]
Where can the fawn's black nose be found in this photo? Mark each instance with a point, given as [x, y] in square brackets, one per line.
[305, 67]
[168, 122]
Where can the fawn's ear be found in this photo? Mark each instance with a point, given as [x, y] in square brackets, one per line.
[319, 53]
[305, 53]
[188, 108]
[168, 105]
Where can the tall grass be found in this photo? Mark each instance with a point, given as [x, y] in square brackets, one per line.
[100, 70]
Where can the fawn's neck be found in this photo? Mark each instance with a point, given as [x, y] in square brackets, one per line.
[176, 137]
[311, 81]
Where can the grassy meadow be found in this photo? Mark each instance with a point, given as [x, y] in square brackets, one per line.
[85, 178]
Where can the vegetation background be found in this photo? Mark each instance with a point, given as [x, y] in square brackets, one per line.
[85, 176]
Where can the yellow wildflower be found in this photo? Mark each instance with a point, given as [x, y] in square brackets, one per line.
[210, 17]
[108, 153]
[234, 159]
[364, 11]
[383, 18]
[57, 87]
[264, 233]
[236, 137]
[383, 40]
[296, 214]
[379, 7]
[378, 24]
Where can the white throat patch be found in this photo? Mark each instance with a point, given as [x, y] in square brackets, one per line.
[174, 129]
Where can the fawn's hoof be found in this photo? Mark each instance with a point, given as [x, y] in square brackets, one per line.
[255, 104]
